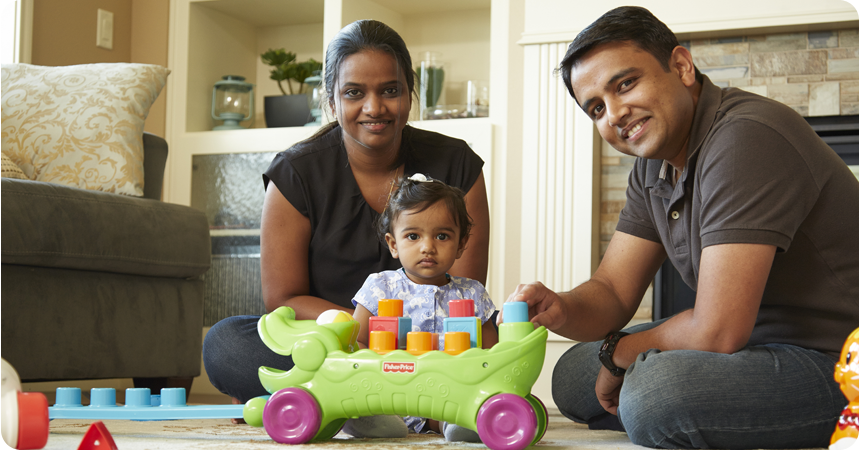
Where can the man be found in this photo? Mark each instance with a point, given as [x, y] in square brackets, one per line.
[758, 215]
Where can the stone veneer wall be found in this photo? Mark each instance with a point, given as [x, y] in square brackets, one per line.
[815, 73]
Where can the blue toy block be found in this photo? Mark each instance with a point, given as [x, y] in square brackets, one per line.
[471, 325]
[139, 405]
[515, 312]
[516, 323]
[404, 326]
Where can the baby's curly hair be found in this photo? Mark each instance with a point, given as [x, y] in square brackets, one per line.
[414, 195]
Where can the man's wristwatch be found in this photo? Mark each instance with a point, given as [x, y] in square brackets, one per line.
[606, 351]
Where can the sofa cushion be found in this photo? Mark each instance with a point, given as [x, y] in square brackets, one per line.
[79, 125]
[62, 324]
[50, 225]
[11, 170]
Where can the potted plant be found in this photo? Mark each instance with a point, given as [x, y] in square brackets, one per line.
[290, 109]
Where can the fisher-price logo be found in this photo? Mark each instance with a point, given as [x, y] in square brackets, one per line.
[403, 367]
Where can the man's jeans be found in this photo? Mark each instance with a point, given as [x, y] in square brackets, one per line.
[232, 354]
[764, 396]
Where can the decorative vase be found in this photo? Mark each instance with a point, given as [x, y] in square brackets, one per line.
[286, 110]
[431, 82]
[477, 98]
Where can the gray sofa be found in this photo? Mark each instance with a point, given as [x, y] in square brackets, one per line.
[98, 285]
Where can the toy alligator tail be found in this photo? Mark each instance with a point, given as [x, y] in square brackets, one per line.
[280, 331]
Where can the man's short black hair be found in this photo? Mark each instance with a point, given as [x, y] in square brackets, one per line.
[632, 24]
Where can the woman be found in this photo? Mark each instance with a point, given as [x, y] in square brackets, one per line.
[324, 194]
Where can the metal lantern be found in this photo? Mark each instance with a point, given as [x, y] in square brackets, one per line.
[232, 102]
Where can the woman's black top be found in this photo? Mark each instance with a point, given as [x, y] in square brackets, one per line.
[316, 179]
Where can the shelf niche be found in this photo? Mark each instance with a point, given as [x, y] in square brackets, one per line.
[226, 37]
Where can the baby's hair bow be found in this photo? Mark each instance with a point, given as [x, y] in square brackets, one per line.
[420, 178]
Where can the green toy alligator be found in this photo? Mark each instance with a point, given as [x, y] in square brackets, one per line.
[487, 391]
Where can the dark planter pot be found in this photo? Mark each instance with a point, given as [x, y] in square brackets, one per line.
[287, 110]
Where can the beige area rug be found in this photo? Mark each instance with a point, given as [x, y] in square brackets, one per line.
[220, 433]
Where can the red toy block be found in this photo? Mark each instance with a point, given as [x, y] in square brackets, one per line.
[461, 308]
[377, 323]
[392, 324]
[97, 438]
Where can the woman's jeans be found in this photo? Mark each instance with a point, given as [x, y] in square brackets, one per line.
[232, 354]
[764, 396]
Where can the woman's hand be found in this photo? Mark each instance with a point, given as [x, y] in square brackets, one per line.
[362, 315]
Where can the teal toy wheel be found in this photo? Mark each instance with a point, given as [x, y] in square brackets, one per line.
[292, 416]
[542, 417]
[507, 422]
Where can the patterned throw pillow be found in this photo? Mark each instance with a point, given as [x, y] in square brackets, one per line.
[80, 126]
[11, 170]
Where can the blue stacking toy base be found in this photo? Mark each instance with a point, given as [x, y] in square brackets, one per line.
[139, 405]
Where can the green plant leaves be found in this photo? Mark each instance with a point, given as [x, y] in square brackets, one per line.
[278, 57]
[285, 68]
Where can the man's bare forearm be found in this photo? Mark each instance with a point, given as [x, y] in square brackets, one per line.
[593, 311]
[730, 288]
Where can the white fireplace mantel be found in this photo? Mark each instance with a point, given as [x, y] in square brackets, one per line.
[700, 18]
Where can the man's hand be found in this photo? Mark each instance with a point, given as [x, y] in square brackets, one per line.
[546, 307]
[608, 388]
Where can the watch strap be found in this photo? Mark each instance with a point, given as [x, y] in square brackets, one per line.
[606, 351]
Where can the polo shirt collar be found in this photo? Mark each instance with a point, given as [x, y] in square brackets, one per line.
[659, 181]
[706, 113]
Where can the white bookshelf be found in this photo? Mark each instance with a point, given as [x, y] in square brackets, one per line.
[213, 38]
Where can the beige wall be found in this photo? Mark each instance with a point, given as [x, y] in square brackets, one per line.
[149, 31]
[64, 33]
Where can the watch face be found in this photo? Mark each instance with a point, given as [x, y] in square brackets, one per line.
[606, 360]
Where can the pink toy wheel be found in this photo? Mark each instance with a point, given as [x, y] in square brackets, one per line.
[291, 416]
[507, 422]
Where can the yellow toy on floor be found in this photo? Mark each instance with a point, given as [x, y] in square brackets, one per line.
[845, 374]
